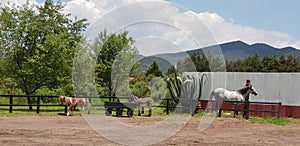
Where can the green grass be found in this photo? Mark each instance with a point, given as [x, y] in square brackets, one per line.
[274, 120]
[264, 120]
[287, 131]
[23, 110]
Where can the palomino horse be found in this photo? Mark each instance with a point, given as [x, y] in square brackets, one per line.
[72, 102]
[221, 94]
[143, 102]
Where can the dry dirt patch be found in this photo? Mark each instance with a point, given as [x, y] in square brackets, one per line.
[62, 130]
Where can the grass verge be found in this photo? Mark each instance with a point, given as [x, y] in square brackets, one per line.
[274, 120]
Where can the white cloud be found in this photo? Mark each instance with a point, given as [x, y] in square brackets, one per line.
[16, 2]
[296, 44]
[229, 31]
[186, 29]
[83, 9]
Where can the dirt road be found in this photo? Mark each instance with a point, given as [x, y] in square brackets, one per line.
[62, 130]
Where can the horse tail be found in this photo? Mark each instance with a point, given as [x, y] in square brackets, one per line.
[211, 95]
[210, 102]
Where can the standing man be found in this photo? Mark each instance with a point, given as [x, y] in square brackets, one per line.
[246, 107]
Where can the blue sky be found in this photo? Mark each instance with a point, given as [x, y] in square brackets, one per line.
[272, 15]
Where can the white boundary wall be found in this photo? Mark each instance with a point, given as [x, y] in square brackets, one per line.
[271, 87]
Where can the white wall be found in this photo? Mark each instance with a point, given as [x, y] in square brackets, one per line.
[271, 87]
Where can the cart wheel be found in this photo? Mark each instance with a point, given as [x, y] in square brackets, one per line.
[130, 113]
[119, 112]
[108, 112]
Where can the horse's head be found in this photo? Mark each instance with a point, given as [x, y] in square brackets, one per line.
[132, 98]
[248, 90]
[253, 91]
[62, 99]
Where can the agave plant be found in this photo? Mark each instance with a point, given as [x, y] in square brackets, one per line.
[186, 89]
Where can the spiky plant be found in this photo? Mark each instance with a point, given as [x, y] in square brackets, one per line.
[186, 89]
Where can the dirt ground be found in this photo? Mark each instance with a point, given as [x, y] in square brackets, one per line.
[73, 130]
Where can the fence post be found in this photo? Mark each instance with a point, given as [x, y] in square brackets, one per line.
[247, 109]
[167, 106]
[279, 110]
[38, 105]
[10, 103]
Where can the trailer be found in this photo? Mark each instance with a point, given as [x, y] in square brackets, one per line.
[119, 108]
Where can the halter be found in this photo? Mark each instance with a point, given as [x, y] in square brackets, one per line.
[245, 91]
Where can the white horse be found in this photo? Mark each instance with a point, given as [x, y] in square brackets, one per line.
[143, 102]
[220, 94]
[72, 102]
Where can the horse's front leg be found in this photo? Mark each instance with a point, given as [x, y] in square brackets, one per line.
[70, 110]
[89, 107]
[236, 110]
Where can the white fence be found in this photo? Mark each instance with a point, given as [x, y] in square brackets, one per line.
[271, 87]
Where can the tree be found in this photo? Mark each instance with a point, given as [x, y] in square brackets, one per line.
[234, 66]
[200, 61]
[136, 70]
[289, 63]
[140, 86]
[154, 70]
[270, 63]
[253, 64]
[39, 42]
[115, 51]
[83, 74]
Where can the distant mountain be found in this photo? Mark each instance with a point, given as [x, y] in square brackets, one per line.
[231, 51]
[239, 50]
[164, 65]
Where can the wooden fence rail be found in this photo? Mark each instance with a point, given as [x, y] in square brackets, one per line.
[168, 107]
[246, 110]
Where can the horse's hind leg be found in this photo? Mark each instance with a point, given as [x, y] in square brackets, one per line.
[218, 108]
[89, 107]
[150, 111]
[139, 111]
[143, 110]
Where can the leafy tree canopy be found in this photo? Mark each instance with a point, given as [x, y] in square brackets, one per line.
[115, 52]
[154, 70]
[38, 44]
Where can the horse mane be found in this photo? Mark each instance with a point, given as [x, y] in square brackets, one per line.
[244, 90]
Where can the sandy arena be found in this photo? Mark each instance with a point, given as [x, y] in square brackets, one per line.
[73, 130]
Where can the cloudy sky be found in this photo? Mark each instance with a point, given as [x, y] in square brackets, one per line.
[173, 25]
